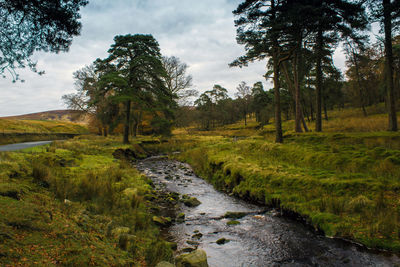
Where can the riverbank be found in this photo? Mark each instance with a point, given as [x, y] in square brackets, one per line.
[78, 202]
[343, 184]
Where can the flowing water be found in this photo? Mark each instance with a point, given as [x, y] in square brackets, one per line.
[263, 238]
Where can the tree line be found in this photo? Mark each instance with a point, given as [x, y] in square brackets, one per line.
[299, 38]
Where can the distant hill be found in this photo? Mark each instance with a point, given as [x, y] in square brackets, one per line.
[52, 115]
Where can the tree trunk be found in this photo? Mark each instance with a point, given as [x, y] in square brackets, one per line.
[355, 61]
[127, 121]
[303, 121]
[298, 112]
[387, 20]
[325, 111]
[318, 87]
[277, 97]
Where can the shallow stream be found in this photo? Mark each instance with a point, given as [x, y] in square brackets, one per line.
[263, 237]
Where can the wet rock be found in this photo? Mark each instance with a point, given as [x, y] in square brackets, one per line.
[197, 235]
[181, 217]
[193, 243]
[190, 201]
[234, 214]
[162, 221]
[197, 258]
[174, 195]
[165, 264]
[222, 241]
[233, 222]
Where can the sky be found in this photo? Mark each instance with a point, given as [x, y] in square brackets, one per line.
[200, 33]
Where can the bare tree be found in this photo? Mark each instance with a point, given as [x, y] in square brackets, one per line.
[244, 96]
[178, 81]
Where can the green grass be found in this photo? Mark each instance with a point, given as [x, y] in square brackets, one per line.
[71, 203]
[346, 184]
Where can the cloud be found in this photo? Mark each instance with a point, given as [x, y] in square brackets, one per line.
[200, 33]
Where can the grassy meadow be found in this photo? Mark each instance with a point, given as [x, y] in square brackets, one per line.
[72, 203]
[343, 182]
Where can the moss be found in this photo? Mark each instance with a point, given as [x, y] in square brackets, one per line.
[233, 222]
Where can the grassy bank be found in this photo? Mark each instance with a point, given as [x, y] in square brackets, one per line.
[344, 184]
[72, 203]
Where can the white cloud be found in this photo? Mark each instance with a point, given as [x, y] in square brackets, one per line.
[200, 33]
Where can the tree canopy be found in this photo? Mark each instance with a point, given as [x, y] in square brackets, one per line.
[35, 25]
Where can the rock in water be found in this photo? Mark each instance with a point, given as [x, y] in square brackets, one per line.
[190, 201]
[222, 241]
[235, 214]
[197, 258]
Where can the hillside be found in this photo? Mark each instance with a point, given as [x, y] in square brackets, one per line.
[59, 115]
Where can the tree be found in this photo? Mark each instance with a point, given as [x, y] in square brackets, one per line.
[244, 97]
[92, 98]
[212, 105]
[177, 80]
[258, 29]
[35, 25]
[262, 103]
[332, 18]
[388, 14]
[138, 74]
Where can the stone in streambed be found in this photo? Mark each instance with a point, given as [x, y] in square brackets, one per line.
[222, 241]
[233, 222]
[197, 258]
[197, 235]
[190, 201]
[193, 243]
[234, 214]
[181, 217]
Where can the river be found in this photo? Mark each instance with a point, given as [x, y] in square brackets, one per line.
[19, 146]
[263, 237]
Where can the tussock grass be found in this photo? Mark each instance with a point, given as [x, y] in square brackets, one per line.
[73, 204]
